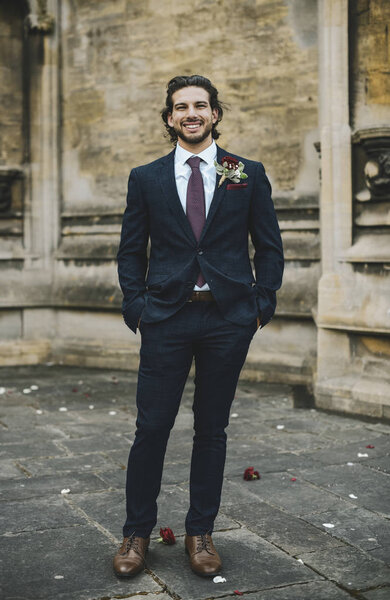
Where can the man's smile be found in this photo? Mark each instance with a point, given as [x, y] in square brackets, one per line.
[193, 125]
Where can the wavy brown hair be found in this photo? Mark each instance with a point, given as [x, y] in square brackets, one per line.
[182, 81]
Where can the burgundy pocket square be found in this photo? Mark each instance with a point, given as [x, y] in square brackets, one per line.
[236, 186]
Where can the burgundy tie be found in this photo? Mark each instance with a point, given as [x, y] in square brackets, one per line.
[195, 206]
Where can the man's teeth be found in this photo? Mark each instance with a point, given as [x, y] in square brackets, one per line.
[192, 126]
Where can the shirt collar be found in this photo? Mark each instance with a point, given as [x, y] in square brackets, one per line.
[208, 155]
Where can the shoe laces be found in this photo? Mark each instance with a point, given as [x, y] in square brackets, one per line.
[131, 544]
[203, 543]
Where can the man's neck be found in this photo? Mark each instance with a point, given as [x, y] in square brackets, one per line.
[195, 148]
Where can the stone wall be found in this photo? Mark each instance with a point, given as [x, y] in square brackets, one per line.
[117, 60]
[354, 290]
[93, 86]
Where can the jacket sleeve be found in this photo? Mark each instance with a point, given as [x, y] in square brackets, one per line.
[132, 253]
[265, 234]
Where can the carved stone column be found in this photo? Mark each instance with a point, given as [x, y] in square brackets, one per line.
[353, 297]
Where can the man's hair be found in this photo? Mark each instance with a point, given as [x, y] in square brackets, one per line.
[182, 81]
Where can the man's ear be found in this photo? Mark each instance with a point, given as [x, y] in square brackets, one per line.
[169, 120]
[215, 114]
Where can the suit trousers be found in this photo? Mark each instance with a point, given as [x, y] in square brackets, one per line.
[197, 331]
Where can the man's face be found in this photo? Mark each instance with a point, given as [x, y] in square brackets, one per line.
[192, 117]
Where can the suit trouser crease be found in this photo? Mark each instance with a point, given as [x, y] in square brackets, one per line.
[167, 349]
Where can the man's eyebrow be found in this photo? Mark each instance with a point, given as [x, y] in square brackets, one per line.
[197, 102]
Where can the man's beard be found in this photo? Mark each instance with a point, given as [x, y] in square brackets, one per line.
[194, 139]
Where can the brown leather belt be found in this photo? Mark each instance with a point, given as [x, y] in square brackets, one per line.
[201, 297]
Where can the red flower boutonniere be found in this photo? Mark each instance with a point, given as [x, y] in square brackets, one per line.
[231, 169]
[250, 474]
[167, 536]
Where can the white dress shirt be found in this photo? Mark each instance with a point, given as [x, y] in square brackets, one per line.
[209, 176]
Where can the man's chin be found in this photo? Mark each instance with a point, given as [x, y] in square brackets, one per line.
[193, 139]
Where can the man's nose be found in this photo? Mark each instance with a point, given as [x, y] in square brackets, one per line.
[191, 112]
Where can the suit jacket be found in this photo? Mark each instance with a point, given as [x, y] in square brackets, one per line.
[157, 286]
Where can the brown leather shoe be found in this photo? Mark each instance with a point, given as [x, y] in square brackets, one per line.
[130, 558]
[204, 559]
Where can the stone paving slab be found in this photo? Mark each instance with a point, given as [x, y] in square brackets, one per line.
[263, 526]
[320, 590]
[381, 463]
[369, 488]
[250, 564]
[34, 514]
[240, 456]
[293, 535]
[95, 462]
[296, 497]
[356, 526]
[342, 453]
[95, 443]
[350, 567]
[378, 594]
[70, 563]
[9, 470]
[44, 485]
[37, 448]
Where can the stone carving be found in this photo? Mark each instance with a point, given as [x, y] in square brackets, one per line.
[38, 19]
[377, 174]
[376, 143]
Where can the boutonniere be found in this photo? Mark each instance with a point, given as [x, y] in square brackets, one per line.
[231, 169]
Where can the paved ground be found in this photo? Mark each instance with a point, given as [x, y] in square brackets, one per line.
[314, 527]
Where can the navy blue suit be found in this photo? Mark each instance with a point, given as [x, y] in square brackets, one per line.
[156, 288]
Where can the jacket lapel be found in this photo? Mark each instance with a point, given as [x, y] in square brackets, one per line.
[168, 184]
[219, 193]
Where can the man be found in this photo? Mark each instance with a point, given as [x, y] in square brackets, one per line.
[195, 297]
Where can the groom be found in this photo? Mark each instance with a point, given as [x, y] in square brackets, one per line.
[193, 296]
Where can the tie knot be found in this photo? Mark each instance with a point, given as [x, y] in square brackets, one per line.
[194, 162]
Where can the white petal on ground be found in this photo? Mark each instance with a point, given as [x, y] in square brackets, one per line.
[65, 491]
[63, 409]
[34, 387]
[362, 455]
[279, 426]
[328, 525]
[2, 390]
[352, 496]
[112, 412]
[350, 464]
[91, 406]
[58, 576]
[300, 561]
[26, 391]
[219, 579]
[39, 411]
[234, 415]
